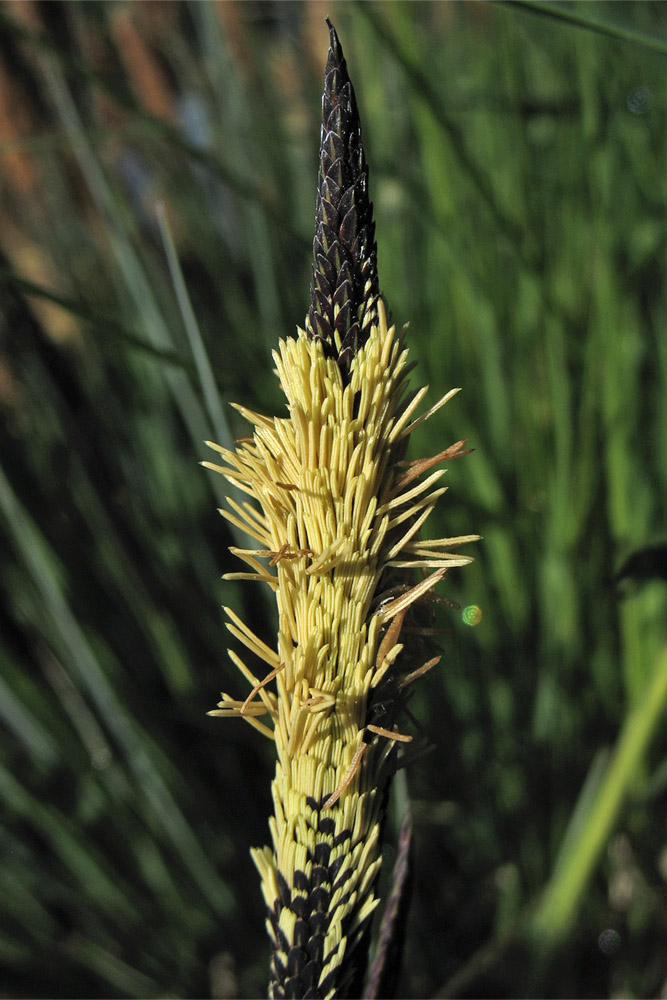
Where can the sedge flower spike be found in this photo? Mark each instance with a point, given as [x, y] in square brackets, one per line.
[336, 512]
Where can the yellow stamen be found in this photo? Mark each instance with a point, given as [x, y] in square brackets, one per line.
[389, 734]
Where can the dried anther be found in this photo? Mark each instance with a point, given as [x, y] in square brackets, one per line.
[347, 778]
[286, 552]
[258, 687]
[389, 734]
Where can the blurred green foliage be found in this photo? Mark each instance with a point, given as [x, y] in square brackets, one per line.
[518, 168]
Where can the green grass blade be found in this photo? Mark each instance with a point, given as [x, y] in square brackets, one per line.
[555, 912]
[574, 15]
[210, 392]
[102, 324]
[43, 570]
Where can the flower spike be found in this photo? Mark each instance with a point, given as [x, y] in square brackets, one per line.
[336, 513]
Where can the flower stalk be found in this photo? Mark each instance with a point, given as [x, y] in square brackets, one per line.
[336, 513]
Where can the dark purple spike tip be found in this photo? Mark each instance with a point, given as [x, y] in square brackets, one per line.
[344, 251]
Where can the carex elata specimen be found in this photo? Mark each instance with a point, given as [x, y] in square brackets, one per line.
[336, 511]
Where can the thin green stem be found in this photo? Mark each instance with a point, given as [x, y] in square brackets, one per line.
[557, 907]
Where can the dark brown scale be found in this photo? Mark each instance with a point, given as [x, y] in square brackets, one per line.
[301, 881]
[283, 943]
[322, 854]
[296, 961]
[342, 879]
[301, 906]
[297, 964]
[336, 865]
[279, 968]
[329, 981]
[309, 975]
[320, 874]
[319, 899]
[284, 889]
[315, 946]
[326, 825]
[301, 933]
[341, 837]
[344, 249]
[293, 988]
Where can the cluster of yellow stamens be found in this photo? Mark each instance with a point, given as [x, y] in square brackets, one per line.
[336, 513]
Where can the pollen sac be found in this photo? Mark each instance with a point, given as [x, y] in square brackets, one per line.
[344, 289]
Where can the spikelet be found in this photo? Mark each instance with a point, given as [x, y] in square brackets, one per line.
[336, 515]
